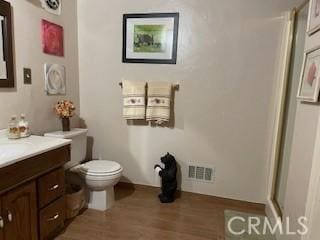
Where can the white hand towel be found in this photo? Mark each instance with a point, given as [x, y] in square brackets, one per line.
[134, 95]
[159, 102]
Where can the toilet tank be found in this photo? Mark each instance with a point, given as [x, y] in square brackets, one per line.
[78, 145]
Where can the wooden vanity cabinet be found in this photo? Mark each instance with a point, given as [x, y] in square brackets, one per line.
[51, 202]
[52, 219]
[32, 206]
[19, 207]
[50, 187]
[1, 221]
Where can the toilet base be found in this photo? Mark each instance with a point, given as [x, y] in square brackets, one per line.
[101, 200]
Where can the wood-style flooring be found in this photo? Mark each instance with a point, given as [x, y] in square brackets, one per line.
[138, 215]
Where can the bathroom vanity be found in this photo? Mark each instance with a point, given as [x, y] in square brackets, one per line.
[32, 204]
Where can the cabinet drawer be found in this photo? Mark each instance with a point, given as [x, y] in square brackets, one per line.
[50, 187]
[52, 219]
[33, 167]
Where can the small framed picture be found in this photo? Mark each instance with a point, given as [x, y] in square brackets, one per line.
[55, 79]
[150, 38]
[308, 90]
[52, 6]
[314, 16]
[52, 38]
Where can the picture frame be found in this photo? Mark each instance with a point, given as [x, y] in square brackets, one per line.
[7, 76]
[308, 90]
[150, 38]
[55, 79]
[52, 6]
[313, 17]
[52, 38]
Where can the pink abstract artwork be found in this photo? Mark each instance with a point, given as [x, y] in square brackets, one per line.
[52, 38]
[312, 74]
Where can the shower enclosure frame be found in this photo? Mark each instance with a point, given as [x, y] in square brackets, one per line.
[273, 209]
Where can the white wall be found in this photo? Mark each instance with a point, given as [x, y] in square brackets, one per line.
[301, 163]
[31, 99]
[302, 198]
[304, 159]
[227, 66]
[313, 197]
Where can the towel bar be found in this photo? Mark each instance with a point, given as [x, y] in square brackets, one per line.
[175, 86]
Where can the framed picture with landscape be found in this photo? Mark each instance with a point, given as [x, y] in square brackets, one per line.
[150, 38]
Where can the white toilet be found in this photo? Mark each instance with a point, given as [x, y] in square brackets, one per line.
[100, 176]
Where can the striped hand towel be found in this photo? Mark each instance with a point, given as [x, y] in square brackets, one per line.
[134, 105]
[159, 102]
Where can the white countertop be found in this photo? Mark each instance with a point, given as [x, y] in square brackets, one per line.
[13, 151]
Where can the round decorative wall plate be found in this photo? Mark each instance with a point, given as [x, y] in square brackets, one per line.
[52, 6]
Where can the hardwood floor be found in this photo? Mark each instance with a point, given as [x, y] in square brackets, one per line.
[138, 215]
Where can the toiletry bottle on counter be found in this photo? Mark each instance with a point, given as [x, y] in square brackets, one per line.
[13, 129]
[23, 126]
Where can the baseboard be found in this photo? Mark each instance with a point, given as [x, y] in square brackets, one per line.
[257, 207]
[272, 215]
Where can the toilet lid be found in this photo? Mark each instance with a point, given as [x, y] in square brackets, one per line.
[101, 167]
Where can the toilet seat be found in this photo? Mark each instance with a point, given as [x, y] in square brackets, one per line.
[100, 168]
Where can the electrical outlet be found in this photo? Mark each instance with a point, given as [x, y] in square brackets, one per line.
[27, 76]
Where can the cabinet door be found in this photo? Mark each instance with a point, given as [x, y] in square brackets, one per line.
[19, 207]
[1, 221]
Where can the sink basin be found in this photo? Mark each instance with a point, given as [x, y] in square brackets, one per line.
[11, 150]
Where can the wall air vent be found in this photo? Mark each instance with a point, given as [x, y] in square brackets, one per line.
[200, 173]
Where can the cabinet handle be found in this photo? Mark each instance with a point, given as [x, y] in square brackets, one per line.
[1, 222]
[55, 217]
[10, 217]
[54, 187]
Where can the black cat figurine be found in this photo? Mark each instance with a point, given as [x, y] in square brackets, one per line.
[168, 178]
